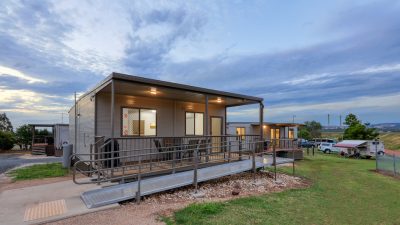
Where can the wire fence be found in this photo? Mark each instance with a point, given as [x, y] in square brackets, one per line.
[388, 164]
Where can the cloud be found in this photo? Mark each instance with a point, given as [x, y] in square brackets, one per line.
[6, 71]
[72, 45]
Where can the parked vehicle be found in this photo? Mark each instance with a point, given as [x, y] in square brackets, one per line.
[360, 148]
[303, 143]
[328, 148]
[318, 141]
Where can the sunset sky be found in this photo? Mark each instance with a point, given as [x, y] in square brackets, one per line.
[305, 58]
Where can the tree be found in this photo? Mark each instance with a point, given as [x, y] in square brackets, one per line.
[351, 119]
[7, 140]
[357, 130]
[312, 129]
[5, 123]
[24, 135]
[303, 133]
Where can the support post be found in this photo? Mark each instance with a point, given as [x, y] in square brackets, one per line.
[112, 126]
[76, 125]
[207, 129]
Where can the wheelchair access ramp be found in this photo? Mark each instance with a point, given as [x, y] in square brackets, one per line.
[122, 192]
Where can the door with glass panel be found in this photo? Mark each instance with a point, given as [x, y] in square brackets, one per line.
[275, 136]
[216, 133]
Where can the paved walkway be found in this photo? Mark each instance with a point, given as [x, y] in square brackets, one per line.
[12, 160]
[36, 204]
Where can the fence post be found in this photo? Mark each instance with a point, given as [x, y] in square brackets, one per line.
[313, 149]
[394, 164]
[308, 149]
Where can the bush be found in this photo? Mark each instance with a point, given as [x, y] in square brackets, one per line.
[7, 140]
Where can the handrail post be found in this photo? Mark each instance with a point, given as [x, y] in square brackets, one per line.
[138, 194]
[173, 158]
[254, 163]
[240, 148]
[293, 149]
[195, 165]
[274, 157]
[229, 151]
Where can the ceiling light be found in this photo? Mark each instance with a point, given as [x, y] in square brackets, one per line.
[219, 100]
[153, 91]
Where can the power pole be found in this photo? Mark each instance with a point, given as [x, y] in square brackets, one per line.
[340, 118]
[294, 116]
[329, 122]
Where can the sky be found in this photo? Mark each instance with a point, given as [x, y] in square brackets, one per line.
[307, 59]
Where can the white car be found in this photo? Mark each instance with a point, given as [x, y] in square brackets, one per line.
[328, 148]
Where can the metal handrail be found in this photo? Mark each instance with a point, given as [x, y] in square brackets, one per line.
[142, 154]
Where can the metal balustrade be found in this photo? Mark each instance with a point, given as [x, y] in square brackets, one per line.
[131, 159]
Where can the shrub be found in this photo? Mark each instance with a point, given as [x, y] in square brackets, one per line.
[7, 140]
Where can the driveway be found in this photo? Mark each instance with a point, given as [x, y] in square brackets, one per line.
[11, 160]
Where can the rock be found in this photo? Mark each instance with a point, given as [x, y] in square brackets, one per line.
[235, 191]
[198, 194]
[279, 182]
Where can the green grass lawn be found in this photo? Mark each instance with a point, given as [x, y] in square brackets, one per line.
[344, 191]
[38, 171]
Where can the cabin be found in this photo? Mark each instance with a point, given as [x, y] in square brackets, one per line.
[48, 139]
[127, 124]
[281, 136]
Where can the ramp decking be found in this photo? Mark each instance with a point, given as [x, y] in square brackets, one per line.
[122, 192]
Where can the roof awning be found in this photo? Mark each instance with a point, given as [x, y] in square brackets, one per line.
[350, 144]
[145, 87]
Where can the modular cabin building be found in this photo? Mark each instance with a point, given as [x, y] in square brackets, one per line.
[271, 130]
[50, 143]
[136, 120]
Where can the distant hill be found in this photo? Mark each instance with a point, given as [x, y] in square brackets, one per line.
[394, 127]
[387, 126]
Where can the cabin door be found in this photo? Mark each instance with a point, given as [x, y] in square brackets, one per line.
[216, 133]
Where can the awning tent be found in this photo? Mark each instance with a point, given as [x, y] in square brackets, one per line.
[350, 144]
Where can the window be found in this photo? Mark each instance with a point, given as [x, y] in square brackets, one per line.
[291, 133]
[194, 123]
[275, 133]
[240, 131]
[139, 122]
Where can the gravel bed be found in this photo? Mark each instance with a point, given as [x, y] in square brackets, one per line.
[150, 209]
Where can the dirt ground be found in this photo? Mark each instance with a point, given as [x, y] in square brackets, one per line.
[6, 183]
[151, 208]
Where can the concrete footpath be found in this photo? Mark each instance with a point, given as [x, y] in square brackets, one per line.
[44, 203]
